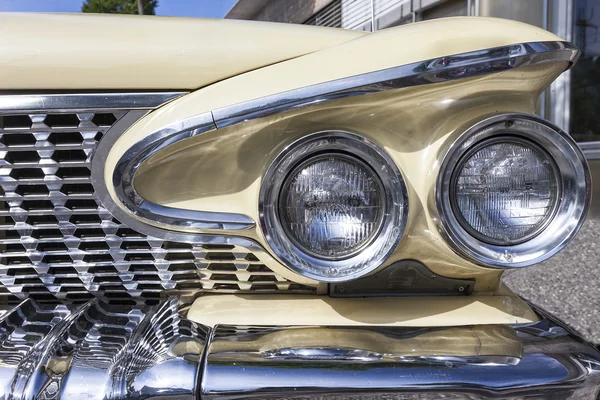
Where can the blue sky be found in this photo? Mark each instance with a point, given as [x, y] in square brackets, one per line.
[185, 8]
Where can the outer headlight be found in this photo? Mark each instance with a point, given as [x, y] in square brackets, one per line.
[512, 191]
[333, 206]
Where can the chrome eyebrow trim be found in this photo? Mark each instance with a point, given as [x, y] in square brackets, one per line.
[437, 70]
[443, 69]
[131, 160]
[124, 174]
[16, 103]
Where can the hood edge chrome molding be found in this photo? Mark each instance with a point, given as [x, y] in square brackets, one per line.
[56, 102]
[436, 70]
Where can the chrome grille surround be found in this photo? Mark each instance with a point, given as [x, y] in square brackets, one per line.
[57, 241]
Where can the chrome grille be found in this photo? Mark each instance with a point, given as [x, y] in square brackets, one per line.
[57, 241]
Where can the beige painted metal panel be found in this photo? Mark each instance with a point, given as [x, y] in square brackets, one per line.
[221, 170]
[369, 53]
[380, 311]
[88, 51]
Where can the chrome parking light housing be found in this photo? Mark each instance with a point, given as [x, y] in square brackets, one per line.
[386, 180]
[568, 192]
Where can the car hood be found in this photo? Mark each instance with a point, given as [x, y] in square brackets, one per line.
[89, 51]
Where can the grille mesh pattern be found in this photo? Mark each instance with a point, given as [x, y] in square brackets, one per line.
[57, 241]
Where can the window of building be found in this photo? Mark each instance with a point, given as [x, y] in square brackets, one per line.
[451, 8]
[361, 14]
[584, 118]
[329, 16]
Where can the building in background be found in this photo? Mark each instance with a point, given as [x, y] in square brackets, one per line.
[573, 101]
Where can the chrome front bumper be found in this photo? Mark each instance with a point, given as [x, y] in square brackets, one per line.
[100, 351]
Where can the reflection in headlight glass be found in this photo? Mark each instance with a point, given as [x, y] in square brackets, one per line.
[332, 205]
[506, 191]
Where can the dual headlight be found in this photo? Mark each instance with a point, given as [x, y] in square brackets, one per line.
[511, 192]
[333, 206]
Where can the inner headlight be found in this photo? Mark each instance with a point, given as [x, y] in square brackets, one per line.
[505, 190]
[512, 191]
[333, 206]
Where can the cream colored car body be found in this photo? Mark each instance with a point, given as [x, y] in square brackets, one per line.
[103, 52]
[220, 170]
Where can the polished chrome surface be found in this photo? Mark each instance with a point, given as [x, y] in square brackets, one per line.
[20, 103]
[97, 351]
[124, 174]
[21, 330]
[448, 68]
[59, 241]
[382, 245]
[542, 360]
[571, 210]
[591, 150]
[101, 351]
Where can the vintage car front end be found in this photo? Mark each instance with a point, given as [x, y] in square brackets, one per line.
[228, 210]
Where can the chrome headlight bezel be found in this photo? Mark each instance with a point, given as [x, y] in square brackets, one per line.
[373, 254]
[571, 205]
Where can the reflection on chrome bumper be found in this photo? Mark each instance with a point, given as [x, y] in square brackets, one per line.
[542, 361]
[97, 351]
[104, 351]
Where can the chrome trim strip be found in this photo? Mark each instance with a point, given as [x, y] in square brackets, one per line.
[443, 69]
[199, 123]
[541, 360]
[129, 163]
[591, 150]
[21, 103]
[100, 351]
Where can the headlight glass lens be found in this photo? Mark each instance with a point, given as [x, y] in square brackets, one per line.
[332, 205]
[505, 191]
